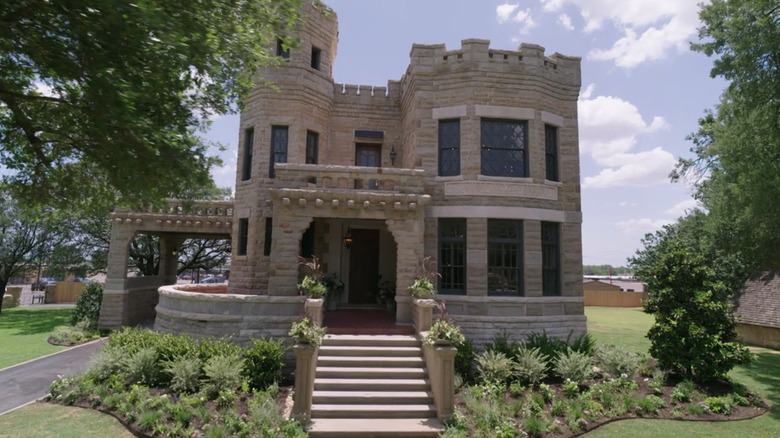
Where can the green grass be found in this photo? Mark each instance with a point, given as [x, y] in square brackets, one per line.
[628, 327]
[24, 330]
[44, 420]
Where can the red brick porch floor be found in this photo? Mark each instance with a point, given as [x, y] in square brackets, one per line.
[364, 321]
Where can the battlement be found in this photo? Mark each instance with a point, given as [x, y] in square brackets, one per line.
[429, 58]
[367, 93]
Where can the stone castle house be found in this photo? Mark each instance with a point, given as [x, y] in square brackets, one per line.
[472, 158]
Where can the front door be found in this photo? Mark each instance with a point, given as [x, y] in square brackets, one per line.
[363, 266]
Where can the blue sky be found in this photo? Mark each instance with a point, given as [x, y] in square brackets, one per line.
[643, 91]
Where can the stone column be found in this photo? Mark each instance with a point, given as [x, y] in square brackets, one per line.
[286, 243]
[408, 235]
[169, 263]
[114, 312]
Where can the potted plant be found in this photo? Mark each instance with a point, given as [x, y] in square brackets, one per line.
[307, 332]
[444, 332]
[335, 287]
[423, 286]
[386, 293]
[311, 285]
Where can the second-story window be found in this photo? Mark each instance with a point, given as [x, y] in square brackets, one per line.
[316, 55]
[504, 150]
[279, 136]
[449, 147]
[551, 152]
[312, 144]
[249, 140]
[281, 49]
[243, 236]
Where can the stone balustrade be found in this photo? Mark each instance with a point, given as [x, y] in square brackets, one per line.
[185, 208]
[350, 177]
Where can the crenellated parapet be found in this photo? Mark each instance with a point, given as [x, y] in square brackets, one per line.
[366, 94]
[476, 54]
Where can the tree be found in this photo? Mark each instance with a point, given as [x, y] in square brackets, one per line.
[736, 168]
[101, 100]
[690, 283]
[20, 236]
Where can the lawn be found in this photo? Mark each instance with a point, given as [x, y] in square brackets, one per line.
[44, 420]
[628, 327]
[24, 330]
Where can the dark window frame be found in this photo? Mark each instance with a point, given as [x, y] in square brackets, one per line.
[505, 249]
[243, 236]
[449, 147]
[500, 153]
[452, 249]
[279, 145]
[249, 141]
[551, 153]
[312, 147]
[551, 259]
[316, 58]
[281, 51]
[269, 231]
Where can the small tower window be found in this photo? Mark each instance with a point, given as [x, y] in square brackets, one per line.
[315, 58]
[281, 50]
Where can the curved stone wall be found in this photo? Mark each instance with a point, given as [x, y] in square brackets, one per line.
[210, 312]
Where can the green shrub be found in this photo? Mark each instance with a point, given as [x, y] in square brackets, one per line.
[185, 373]
[109, 361]
[535, 426]
[574, 366]
[142, 367]
[570, 388]
[558, 408]
[464, 360]
[583, 344]
[501, 344]
[697, 408]
[69, 335]
[549, 347]
[494, 367]
[208, 348]
[530, 366]
[683, 391]
[650, 404]
[222, 373]
[263, 362]
[88, 306]
[148, 419]
[617, 361]
[719, 405]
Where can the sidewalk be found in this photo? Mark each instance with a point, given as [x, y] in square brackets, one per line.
[29, 381]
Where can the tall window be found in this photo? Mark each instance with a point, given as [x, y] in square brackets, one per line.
[249, 140]
[312, 144]
[504, 147]
[316, 55]
[449, 147]
[551, 259]
[452, 256]
[279, 136]
[505, 257]
[551, 152]
[307, 242]
[269, 231]
[243, 236]
[281, 50]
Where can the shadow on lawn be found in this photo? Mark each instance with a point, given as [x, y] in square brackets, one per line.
[20, 321]
[766, 370]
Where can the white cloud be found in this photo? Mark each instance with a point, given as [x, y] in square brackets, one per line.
[565, 21]
[609, 127]
[650, 28]
[682, 208]
[504, 12]
[641, 226]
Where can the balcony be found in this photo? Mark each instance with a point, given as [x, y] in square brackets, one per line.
[175, 215]
[332, 178]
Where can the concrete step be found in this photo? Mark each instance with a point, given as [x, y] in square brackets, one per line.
[368, 350]
[371, 361]
[373, 411]
[374, 427]
[372, 384]
[372, 340]
[338, 372]
[372, 397]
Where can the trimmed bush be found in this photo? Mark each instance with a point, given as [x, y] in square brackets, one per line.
[549, 347]
[530, 365]
[222, 373]
[263, 361]
[142, 367]
[107, 362]
[617, 361]
[494, 367]
[574, 366]
[185, 373]
[88, 306]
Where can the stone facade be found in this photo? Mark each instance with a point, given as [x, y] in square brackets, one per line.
[318, 160]
[406, 197]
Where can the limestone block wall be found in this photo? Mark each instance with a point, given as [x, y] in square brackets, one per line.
[760, 335]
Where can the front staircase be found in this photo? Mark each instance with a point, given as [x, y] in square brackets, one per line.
[372, 386]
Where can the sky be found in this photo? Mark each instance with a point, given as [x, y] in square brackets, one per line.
[643, 91]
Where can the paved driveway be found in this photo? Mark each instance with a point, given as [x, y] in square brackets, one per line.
[23, 383]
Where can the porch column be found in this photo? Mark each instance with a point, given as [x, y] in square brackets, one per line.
[285, 246]
[114, 312]
[408, 235]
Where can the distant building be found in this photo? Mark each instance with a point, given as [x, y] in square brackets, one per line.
[758, 306]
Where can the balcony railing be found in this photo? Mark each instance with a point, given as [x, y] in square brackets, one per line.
[350, 177]
[187, 208]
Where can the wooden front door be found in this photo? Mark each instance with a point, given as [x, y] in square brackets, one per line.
[363, 266]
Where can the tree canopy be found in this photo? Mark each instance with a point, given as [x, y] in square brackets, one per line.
[102, 100]
[736, 163]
